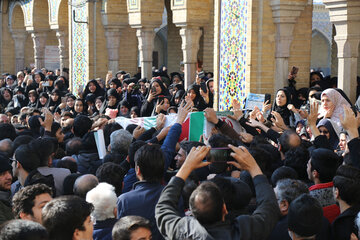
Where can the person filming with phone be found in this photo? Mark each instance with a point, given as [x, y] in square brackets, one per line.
[208, 207]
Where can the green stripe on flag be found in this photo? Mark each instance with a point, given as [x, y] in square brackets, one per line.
[149, 122]
[196, 126]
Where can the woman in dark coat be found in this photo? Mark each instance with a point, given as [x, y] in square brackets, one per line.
[93, 87]
[281, 103]
[157, 89]
[194, 93]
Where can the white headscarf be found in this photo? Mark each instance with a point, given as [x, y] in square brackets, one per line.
[339, 101]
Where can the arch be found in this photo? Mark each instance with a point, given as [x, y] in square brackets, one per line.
[16, 16]
[114, 12]
[40, 13]
[160, 45]
[316, 31]
[320, 52]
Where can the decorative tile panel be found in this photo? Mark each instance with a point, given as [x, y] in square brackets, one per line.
[28, 10]
[133, 4]
[80, 46]
[321, 20]
[178, 3]
[233, 31]
[54, 9]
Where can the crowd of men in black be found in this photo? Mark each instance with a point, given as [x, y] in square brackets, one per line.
[291, 172]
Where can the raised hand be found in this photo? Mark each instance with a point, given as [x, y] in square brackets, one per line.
[159, 107]
[160, 121]
[194, 160]
[183, 111]
[238, 113]
[244, 160]
[210, 115]
[314, 113]
[138, 131]
[278, 121]
[348, 122]
[49, 118]
[266, 106]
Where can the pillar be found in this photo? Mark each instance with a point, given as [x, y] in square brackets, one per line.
[63, 54]
[113, 43]
[344, 14]
[348, 48]
[146, 46]
[19, 39]
[39, 41]
[285, 15]
[190, 37]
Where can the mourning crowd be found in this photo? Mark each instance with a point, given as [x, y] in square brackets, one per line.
[292, 171]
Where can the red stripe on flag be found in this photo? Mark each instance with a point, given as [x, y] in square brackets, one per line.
[185, 130]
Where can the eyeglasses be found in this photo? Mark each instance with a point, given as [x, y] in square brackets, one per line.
[324, 132]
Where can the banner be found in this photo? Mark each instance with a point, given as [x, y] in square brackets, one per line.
[193, 127]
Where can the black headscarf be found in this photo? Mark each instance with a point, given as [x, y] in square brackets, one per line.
[284, 112]
[199, 102]
[98, 92]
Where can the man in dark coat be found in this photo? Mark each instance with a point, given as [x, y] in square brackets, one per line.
[5, 185]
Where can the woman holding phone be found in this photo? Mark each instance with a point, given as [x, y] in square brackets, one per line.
[157, 89]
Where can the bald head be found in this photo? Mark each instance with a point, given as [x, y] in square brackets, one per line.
[6, 147]
[84, 184]
[288, 140]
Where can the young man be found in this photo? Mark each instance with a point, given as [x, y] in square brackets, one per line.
[29, 201]
[321, 170]
[132, 227]
[5, 185]
[68, 217]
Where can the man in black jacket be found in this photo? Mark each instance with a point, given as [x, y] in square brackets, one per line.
[208, 207]
[5, 185]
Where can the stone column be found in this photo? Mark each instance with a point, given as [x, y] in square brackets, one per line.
[190, 37]
[348, 53]
[39, 41]
[63, 53]
[344, 14]
[113, 42]
[146, 46]
[19, 39]
[285, 15]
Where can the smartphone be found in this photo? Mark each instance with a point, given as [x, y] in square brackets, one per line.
[219, 158]
[294, 70]
[201, 74]
[46, 84]
[203, 87]
[268, 97]
[63, 99]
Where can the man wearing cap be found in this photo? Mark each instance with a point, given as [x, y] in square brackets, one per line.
[321, 169]
[5, 185]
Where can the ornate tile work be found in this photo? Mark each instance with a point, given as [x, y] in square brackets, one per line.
[133, 4]
[179, 3]
[321, 20]
[233, 30]
[318, 2]
[54, 9]
[80, 46]
[28, 10]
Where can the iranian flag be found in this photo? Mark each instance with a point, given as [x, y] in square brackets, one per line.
[193, 126]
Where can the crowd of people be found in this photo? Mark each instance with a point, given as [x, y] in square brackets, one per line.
[292, 171]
